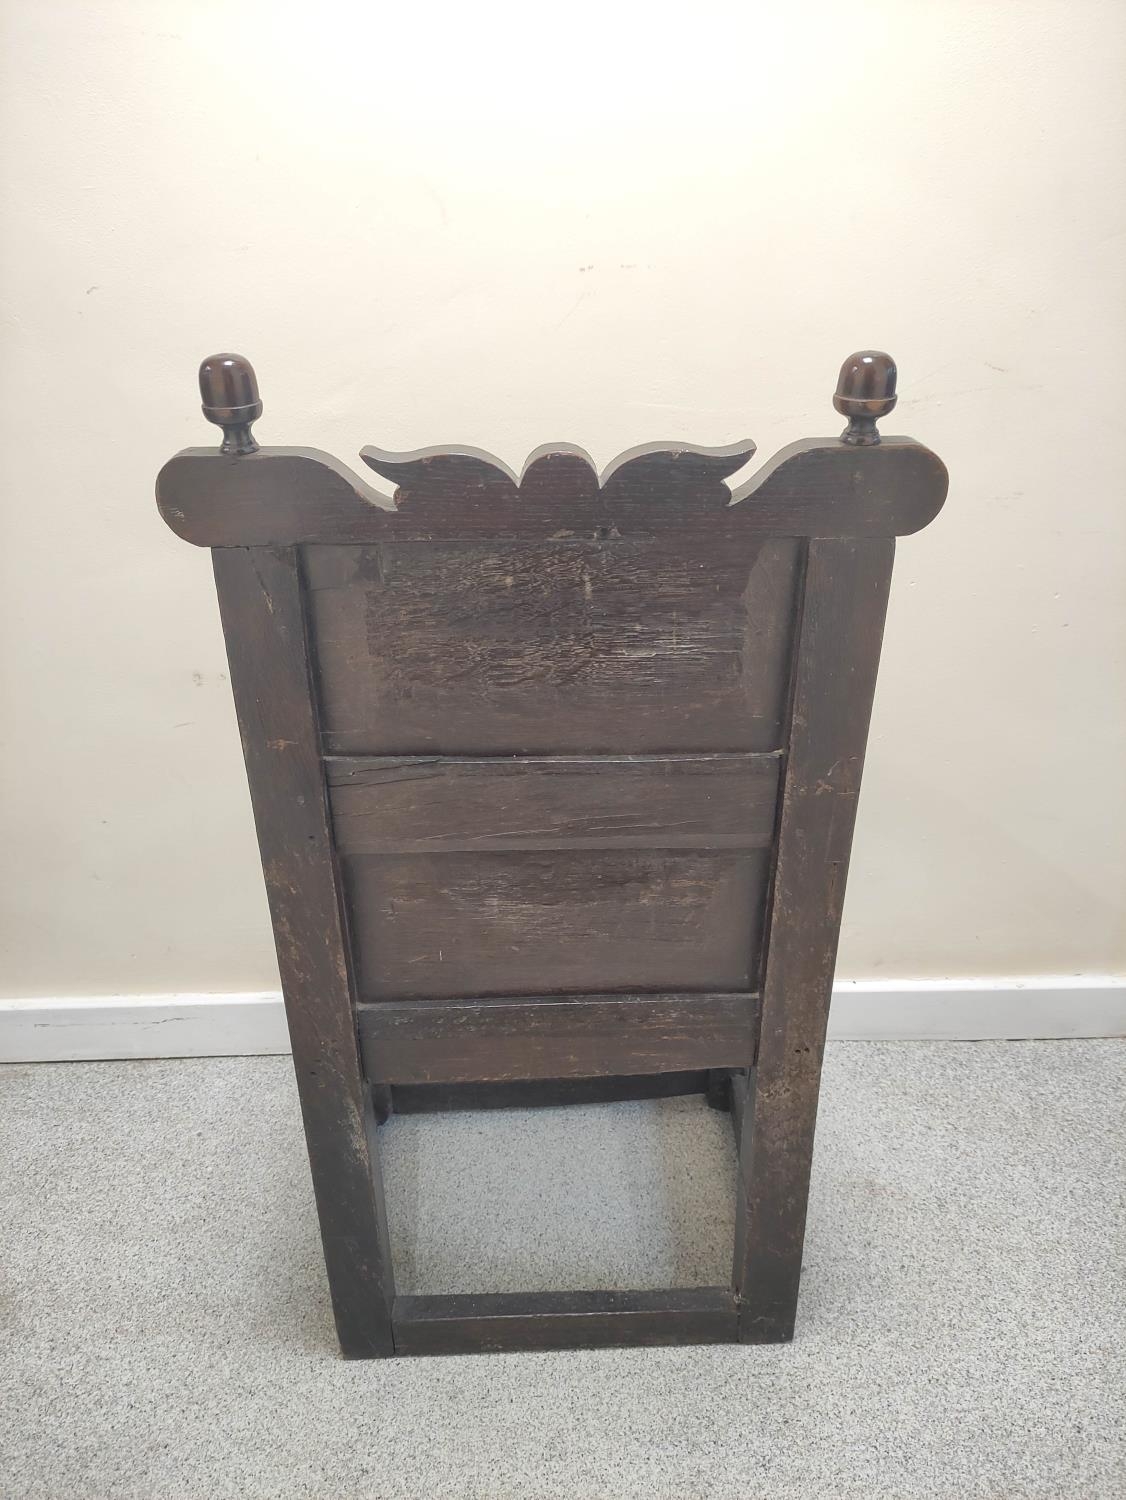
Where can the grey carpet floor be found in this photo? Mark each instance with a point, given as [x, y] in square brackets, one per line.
[166, 1333]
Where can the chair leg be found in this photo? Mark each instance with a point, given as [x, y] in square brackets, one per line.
[382, 1103]
[846, 593]
[718, 1089]
[770, 1212]
[260, 600]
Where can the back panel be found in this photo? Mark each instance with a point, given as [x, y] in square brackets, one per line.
[553, 766]
[448, 925]
[555, 648]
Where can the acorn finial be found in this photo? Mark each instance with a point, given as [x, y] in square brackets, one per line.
[229, 388]
[865, 393]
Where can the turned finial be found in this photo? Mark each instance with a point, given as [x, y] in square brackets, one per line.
[229, 388]
[865, 393]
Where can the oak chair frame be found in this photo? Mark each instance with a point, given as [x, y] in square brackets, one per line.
[759, 1050]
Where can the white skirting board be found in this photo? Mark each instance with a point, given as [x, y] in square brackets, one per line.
[92, 1027]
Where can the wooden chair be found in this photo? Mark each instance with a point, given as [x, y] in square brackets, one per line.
[555, 778]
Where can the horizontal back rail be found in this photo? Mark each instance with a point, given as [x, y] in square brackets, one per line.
[555, 1036]
[283, 497]
[423, 804]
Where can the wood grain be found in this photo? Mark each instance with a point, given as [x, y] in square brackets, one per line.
[434, 926]
[557, 648]
[260, 602]
[293, 496]
[413, 805]
[846, 593]
[557, 1036]
[499, 1321]
[654, 485]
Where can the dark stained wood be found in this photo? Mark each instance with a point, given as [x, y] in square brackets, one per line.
[718, 1091]
[865, 393]
[442, 926]
[560, 648]
[542, 1093]
[290, 496]
[642, 488]
[260, 602]
[823, 489]
[500, 1321]
[229, 388]
[738, 1089]
[846, 591]
[413, 805]
[553, 773]
[555, 1036]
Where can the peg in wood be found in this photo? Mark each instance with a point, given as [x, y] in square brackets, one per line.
[865, 393]
[229, 388]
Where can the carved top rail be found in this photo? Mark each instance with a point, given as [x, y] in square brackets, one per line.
[852, 486]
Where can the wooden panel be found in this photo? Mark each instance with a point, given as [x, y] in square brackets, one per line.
[561, 647]
[451, 925]
[555, 1036]
[499, 1321]
[386, 805]
[842, 625]
[259, 597]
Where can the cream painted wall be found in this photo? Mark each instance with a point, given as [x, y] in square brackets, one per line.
[602, 224]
